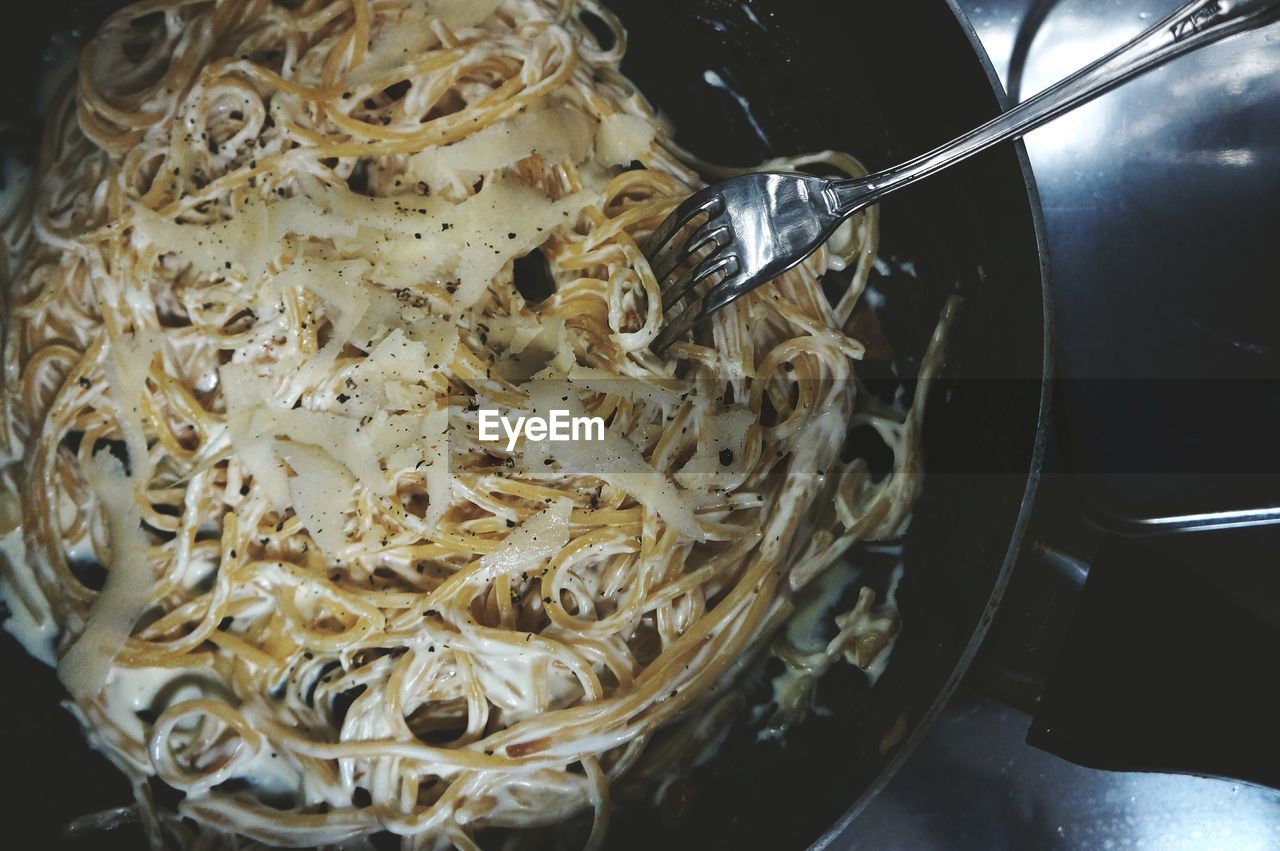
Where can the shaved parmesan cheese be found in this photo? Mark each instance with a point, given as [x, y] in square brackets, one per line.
[556, 133]
[514, 333]
[254, 424]
[338, 437]
[339, 284]
[418, 443]
[505, 221]
[459, 14]
[246, 395]
[404, 362]
[531, 544]
[394, 44]
[127, 368]
[415, 240]
[403, 396]
[623, 138]
[614, 460]
[85, 667]
[723, 436]
[533, 347]
[397, 357]
[241, 244]
[247, 243]
[387, 312]
[320, 491]
[319, 214]
[345, 298]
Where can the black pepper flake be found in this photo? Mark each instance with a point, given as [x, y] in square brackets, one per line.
[726, 457]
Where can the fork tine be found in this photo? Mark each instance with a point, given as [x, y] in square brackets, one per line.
[716, 262]
[700, 310]
[675, 328]
[712, 233]
[703, 201]
[732, 288]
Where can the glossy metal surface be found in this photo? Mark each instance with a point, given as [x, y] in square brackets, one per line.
[1160, 201]
[973, 783]
[760, 225]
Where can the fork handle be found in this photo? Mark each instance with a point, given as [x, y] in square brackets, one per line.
[1194, 25]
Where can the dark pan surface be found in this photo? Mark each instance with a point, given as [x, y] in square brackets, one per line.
[884, 81]
[815, 77]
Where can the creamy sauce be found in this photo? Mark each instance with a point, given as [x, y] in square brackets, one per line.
[716, 81]
[86, 665]
[751, 15]
[881, 661]
[35, 630]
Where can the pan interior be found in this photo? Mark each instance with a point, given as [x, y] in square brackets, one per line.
[883, 81]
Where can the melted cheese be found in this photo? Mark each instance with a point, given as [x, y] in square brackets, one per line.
[85, 667]
[127, 369]
[30, 620]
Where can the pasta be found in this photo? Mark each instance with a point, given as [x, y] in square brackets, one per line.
[266, 275]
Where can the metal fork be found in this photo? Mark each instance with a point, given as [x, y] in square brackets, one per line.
[752, 228]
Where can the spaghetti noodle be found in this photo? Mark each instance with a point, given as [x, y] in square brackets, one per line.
[265, 272]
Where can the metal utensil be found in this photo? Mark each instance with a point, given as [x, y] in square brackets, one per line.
[752, 228]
